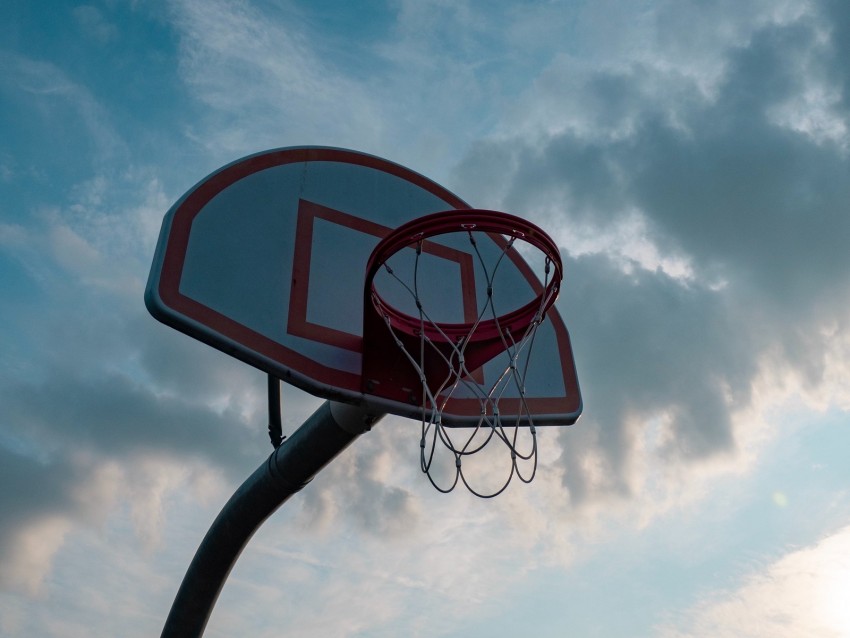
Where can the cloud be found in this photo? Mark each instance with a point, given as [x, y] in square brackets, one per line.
[284, 75]
[79, 447]
[102, 405]
[30, 495]
[45, 100]
[94, 25]
[263, 79]
[428, 579]
[704, 240]
[801, 594]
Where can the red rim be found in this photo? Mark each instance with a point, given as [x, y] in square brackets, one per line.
[454, 221]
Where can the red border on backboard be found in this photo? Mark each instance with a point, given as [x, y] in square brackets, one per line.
[299, 325]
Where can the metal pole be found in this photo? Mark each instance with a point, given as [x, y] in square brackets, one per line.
[275, 425]
[289, 468]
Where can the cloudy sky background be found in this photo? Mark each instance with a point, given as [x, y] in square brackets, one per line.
[690, 158]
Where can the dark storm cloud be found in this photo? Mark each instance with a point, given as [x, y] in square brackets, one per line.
[68, 429]
[649, 347]
[761, 201]
[29, 488]
[114, 417]
[97, 391]
[761, 211]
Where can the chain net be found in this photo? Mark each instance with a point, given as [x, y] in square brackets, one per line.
[515, 435]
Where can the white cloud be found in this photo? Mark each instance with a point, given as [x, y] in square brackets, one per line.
[804, 593]
[264, 81]
[72, 251]
[34, 548]
[94, 24]
[58, 98]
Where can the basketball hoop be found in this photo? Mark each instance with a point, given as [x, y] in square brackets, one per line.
[264, 260]
[442, 362]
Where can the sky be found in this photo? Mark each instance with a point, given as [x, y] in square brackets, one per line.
[692, 161]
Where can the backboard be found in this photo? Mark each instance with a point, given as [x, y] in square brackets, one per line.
[265, 260]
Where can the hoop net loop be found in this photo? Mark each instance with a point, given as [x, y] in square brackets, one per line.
[441, 360]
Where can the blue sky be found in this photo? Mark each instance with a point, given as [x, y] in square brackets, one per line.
[690, 158]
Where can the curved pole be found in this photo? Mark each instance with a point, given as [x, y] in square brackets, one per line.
[290, 467]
